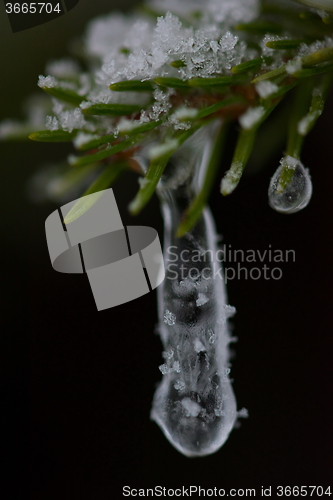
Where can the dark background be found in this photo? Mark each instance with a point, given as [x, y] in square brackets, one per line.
[79, 384]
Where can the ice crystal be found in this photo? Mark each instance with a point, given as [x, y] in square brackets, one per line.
[251, 117]
[266, 88]
[47, 81]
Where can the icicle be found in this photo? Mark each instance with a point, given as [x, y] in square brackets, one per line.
[194, 404]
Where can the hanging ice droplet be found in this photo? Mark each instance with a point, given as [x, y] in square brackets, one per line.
[296, 195]
[194, 404]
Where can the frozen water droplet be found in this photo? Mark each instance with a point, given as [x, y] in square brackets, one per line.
[298, 192]
[195, 383]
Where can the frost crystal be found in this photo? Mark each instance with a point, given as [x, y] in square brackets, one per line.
[47, 81]
[202, 299]
[133, 47]
[157, 151]
[226, 11]
[82, 138]
[169, 318]
[179, 385]
[294, 65]
[251, 117]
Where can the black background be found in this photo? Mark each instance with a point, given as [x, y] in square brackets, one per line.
[79, 383]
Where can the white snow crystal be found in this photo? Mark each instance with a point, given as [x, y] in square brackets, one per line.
[168, 354]
[228, 41]
[304, 123]
[232, 176]
[243, 413]
[251, 117]
[294, 65]
[179, 385]
[266, 88]
[83, 138]
[290, 161]
[63, 68]
[47, 81]
[169, 318]
[71, 119]
[164, 369]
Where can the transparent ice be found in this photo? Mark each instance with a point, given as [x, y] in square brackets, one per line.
[297, 194]
[194, 404]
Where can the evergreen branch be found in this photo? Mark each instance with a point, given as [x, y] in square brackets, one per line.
[244, 147]
[53, 136]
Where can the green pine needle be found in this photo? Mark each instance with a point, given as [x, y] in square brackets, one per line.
[132, 86]
[175, 83]
[53, 136]
[178, 64]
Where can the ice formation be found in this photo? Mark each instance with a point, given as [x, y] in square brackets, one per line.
[194, 404]
[297, 194]
[119, 47]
